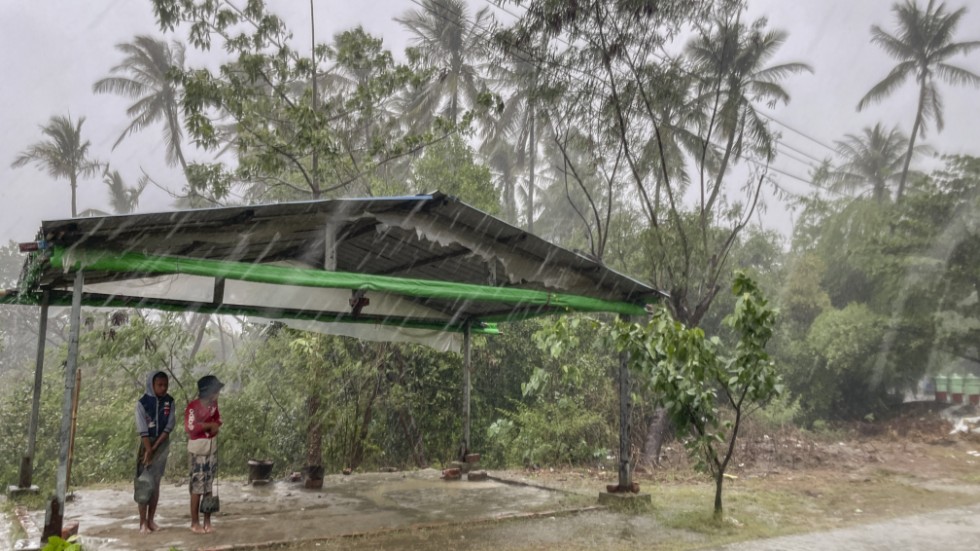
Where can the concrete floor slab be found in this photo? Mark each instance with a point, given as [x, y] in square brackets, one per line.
[253, 516]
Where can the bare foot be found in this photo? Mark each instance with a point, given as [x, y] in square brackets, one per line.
[209, 529]
[144, 529]
[197, 529]
[153, 526]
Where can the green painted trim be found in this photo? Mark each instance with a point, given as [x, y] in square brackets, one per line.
[137, 263]
[63, 298]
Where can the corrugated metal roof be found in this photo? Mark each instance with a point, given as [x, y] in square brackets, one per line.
[432, 237]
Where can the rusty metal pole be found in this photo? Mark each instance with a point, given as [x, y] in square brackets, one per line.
[27, 462]
[53, 520]
[625, 412]
[467, 358]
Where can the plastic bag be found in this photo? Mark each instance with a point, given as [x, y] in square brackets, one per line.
[210, 504]
[143, 487]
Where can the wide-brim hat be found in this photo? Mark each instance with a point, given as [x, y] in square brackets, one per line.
[208, 385]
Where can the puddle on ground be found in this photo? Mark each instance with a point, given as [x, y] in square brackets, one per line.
[285, 511]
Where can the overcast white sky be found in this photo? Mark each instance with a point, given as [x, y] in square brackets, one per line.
[53, 50]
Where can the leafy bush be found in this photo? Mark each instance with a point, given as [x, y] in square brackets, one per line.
[564, 431]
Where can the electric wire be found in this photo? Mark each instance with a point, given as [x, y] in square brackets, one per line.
[696, 76]
[531, 58]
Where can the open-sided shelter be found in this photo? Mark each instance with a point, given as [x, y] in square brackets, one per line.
[427, 269]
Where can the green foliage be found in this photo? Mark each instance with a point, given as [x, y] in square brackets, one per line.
[690, 374]
[848, 378]
[566, 409]
[208, 179]
[57, 544]
[449, 167]
[802, 298]
[648, 128]
[896, 274]
[292, 133]
[781, 412]
[564, 431]
[378, 404]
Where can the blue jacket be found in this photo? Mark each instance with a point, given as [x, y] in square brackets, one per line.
[154, 416]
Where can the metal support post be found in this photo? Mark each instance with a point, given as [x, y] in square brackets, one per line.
[27, 462]
[52, 524]
[467, 367]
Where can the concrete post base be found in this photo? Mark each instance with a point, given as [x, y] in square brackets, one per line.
[14, 490]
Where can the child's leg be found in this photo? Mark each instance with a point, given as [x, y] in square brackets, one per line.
[144, 528]
[196, 487]
[211, 471]
[151, 510]
[195, 518]
[207, 522]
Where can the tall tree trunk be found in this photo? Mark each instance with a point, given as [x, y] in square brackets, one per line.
[357, 453]
[719, 484]
[658, 431]
[915, 131]
[74, 188]
[532, 155]
[414, 436]
[314, 431]
[202, 325]
[411, 428]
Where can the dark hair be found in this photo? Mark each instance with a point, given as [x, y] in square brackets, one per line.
[159, 375]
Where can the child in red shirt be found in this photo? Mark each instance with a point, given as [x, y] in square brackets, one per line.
[202, 421]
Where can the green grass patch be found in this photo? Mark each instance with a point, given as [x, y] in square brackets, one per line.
[765, 508]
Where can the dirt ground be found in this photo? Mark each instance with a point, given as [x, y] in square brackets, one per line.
[783, 482]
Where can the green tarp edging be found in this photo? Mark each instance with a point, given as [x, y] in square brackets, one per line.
[64, 299]
[137, 263]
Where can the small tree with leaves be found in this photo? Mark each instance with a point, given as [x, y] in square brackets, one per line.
[696, 379]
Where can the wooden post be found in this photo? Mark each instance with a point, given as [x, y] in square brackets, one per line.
[467, 358]
[74, 423]
[27, 462]
[52, 524]
[625, 412]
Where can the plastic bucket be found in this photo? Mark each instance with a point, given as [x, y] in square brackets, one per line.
[971, 388]
[942, 387]
[956, 388]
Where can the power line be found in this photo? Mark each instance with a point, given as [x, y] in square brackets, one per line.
[790, 128]
[702, 79]
[534, 60]
[801, 152]
[795, 158]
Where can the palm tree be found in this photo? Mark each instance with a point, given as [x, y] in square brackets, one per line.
[732, 60]
[64, 154]
[123, 199]
[452, 48]
[923, 44]
[512, 139]
[873, 159]
[145, 77]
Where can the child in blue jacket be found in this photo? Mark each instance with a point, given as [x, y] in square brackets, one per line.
[155, 416]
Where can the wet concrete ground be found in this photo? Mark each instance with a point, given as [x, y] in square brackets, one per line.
[284, 511]
[5, 524]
